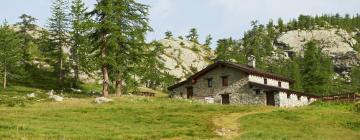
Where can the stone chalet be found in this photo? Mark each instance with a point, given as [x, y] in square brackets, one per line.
[230, 83]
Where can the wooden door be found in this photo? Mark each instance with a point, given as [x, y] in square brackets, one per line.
[189, 92]
[270, 98]
[225, 99]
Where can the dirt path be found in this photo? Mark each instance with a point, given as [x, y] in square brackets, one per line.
[228, 125]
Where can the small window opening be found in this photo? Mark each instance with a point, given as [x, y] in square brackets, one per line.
[265, 81]
[279, 84]
[257, 92]
[225, 81]
[299, 97]
[288, 96]
[210, 82]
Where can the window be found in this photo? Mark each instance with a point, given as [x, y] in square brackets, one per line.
[210, 82]
[299, 97]
[279, 84]
[257, 92]
[265, 81]
[225, 81]
[288, 96]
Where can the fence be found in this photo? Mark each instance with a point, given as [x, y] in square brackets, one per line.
[342, 98]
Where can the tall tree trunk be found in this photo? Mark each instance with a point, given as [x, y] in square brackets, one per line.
[5, 76]
[119, 85]
[105, 91]
[76, 66]
[61, 75]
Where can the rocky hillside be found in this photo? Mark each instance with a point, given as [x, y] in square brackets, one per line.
[337, 43]
[183, 57]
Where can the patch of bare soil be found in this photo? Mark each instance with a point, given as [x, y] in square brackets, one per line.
[228, 126]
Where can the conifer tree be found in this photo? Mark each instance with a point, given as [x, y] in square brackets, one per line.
[26, 25]
[281, 25]
[355, 78]
[168, 35]
[208, 40]
[193, 35]
[317, 70]
[119, 38]
[295, 74]
[79, 38]
[10, 52]
[58, 28]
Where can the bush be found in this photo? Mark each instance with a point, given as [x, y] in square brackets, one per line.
[356, 107]
[13, 101]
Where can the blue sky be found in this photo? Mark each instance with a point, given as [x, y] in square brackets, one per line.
[220, 18]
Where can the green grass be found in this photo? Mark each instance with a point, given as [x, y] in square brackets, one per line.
[132, 117]
[319, 121]
[127, 117]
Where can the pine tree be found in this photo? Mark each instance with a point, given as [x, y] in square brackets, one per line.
[208, 42]
[26, 25]
[317, 70]
[355, 78]
[79, 38]
[281, 25]
[295, 74]
[193, 35]
[58, 28]
[168, 35]
[10, 51]
[119, 37]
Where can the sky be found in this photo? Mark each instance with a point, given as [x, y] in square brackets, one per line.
[220, 18]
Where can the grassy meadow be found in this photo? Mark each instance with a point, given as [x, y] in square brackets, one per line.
[132, 117]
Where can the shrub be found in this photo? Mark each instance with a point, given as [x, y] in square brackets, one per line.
[356, 107]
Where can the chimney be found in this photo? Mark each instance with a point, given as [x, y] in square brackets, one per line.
[251, 61]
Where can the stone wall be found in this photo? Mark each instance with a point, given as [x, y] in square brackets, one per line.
[238, 87]
[282, 100]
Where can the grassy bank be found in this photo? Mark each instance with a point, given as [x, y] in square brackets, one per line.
[319, 121]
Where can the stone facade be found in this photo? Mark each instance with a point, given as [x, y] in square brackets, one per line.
[238, 87]
[241, 87]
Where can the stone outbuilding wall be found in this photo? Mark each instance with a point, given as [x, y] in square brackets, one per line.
[292, 100]
[238, 87]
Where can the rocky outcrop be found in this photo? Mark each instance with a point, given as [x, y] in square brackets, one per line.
[183, 57]
[336, 43]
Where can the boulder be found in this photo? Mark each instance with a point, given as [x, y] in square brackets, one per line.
[31, 95]
[100, 100]
[56, 98]
[76, 90]
[50, 93]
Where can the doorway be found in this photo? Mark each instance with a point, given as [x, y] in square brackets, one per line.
[189, 92]
[225, 99]
[270, 98]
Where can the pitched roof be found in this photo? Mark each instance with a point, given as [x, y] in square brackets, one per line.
[240, 67]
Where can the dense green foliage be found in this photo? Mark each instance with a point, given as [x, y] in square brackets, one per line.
[58, 29]
[313, 72]
[10, 52]
[79, 41]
